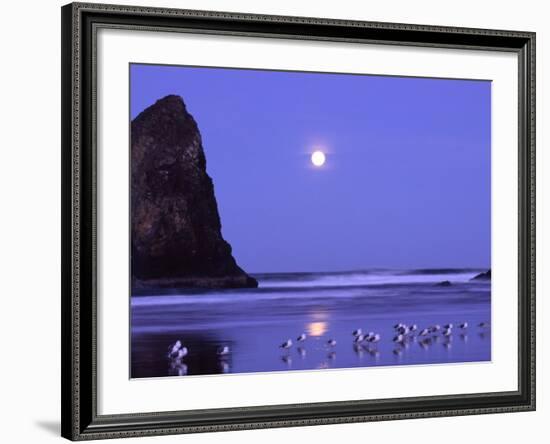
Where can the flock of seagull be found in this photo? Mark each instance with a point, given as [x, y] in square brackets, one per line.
[402, 336]
[177, 351]
[359, 337]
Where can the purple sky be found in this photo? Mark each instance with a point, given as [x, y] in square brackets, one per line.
[407, 178]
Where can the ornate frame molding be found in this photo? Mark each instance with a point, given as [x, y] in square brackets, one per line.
[80, 22]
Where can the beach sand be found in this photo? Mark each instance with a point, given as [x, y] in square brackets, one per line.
[254, 322]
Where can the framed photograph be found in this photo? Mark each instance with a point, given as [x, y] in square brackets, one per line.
[281, 221]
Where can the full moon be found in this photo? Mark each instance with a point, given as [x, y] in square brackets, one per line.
[318, 158]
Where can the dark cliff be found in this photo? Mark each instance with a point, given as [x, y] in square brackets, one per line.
[175, 224]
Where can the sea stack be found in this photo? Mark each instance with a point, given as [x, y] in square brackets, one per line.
[444, 284]
[175, 224]
[482, 276]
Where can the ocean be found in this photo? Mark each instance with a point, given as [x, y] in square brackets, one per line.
[253, 323]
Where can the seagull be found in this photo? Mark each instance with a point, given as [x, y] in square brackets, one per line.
[413, 328]
[359, 338]
[331, 342]
[173, 349]
[483, 325]
[398, 338]
[287, 344]
[463, 326]
[402, 330]
[435, 328]
[424, 332]
[396, 326]
[181, 353]
[357, 332]
[448, 326]
[447, 332]
[301, 338]
[374, 338]
[223, 351]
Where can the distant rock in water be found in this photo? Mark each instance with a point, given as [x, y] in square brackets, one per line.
[175, 224]
[482, 276]
[444, 284]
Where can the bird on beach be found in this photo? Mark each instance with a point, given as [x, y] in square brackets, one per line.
[483, 325]
[331, 342]
[223, 351]
[447, 332]
[448, 326]
[402, 330]
[301, 338]
[181, 353]
[357, 332]
[359, 338]
[173, 349]
[424, 332]
[463, 326]
[435, 328]
[287, 344]
[413, 328]
[398, 338]
[374, 338]
[396, 326]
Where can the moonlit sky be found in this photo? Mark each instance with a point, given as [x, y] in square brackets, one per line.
[406, 183]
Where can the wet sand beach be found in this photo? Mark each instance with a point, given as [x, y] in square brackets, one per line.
[253, 323]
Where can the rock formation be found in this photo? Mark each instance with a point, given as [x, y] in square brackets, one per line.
[175, 224]
[444, 284]
[482, 276]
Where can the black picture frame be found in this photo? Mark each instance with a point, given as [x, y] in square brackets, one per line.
[79, 385]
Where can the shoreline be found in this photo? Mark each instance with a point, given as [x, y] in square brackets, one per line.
[322, 281]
